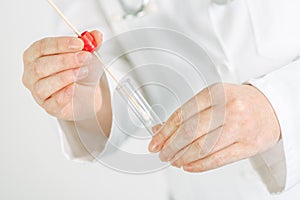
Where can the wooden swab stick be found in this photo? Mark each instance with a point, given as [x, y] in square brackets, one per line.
[64, 17]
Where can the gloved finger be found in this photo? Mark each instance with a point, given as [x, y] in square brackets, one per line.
[97, 36]
[51, 46]
[230, 154]
[49, 65]
[57, 103]
[46, 87]
[192, 129]
[156, 128]
[204, 146]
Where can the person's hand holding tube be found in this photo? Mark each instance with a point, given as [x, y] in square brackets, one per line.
[222, 124]
[51, 68]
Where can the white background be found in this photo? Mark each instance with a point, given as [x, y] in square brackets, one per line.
[32, 165]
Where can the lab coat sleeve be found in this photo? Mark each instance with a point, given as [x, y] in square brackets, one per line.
[83, 143]
[279, 167]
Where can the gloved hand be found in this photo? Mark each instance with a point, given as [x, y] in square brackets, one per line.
[222, 124]
[51, 67]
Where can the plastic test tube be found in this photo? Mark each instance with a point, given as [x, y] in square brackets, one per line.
[138, 104]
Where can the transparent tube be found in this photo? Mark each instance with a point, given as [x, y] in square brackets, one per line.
[138, 104]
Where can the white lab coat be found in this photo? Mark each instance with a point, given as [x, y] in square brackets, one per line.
[250, 41]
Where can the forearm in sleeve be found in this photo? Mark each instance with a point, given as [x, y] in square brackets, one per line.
[280, 166]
